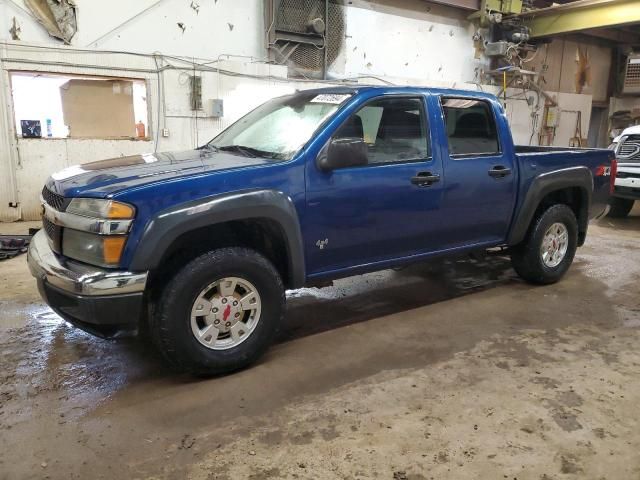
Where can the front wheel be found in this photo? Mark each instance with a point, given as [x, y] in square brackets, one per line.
[219, 313]
[548, 250]
[620, 207]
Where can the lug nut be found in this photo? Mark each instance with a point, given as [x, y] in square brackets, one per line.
[224, 300]
[215, 310]
[235, 304]
[228, 324]
[216, 322]
[237, 315]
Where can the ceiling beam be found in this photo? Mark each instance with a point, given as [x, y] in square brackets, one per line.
[465, 4]
[581, 15]
[614, 35]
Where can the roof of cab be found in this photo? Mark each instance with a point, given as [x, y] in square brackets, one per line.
[391, 88]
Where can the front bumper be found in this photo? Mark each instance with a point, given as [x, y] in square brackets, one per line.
[103, 302]
[627, 192]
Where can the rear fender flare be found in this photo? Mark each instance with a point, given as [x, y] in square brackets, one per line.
[543, 185]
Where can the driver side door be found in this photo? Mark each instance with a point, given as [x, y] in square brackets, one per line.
[380, 211]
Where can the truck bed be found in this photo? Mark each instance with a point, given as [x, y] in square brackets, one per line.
[538, 149]
[535, 160]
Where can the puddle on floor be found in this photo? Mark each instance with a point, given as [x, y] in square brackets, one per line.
[17, 315]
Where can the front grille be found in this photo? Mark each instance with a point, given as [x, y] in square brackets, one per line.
[628, 175]
[53, 199]
[630, 149]
[49, 228]
[54, 233]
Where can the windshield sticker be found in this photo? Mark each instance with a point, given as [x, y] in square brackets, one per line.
[333, 98]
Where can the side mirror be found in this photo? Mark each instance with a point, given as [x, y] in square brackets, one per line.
[342, 153]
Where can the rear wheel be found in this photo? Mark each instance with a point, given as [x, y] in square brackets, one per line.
[219, 313]
[548, 250]
[620, 207]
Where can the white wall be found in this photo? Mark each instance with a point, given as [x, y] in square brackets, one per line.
[33, 160]
[412, 39]
[152, 26]
[403, 41]
[8, 187]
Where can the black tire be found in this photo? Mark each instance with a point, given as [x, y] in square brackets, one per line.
[620, 207]
[526, 258]
[170, 322]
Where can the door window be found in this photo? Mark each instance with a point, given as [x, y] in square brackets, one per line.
[471, 127]
[394, 130]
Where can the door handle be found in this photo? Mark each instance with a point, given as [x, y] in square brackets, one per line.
[425, 179]
[499, 171]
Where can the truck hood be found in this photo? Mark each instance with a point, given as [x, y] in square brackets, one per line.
[104, 177]
[635, 130]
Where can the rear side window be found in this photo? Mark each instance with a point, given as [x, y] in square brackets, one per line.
[471, 127]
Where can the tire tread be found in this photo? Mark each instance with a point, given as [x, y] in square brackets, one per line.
[526, 257]
[161, 319]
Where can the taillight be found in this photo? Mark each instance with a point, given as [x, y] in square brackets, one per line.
[614, 174]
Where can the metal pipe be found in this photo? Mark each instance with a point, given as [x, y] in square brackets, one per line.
[325, 66]
[464, 4]
[129, 20]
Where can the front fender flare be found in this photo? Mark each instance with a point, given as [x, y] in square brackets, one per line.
[169, 224]
[543, 185]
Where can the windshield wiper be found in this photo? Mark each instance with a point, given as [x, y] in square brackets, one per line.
[208, 146]
[249, 151]
[246, 151]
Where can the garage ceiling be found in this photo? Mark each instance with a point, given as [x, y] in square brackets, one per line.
[613, 20]
[616, 21]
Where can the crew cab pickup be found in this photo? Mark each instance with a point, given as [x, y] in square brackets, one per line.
[627, 186]
[196, 248]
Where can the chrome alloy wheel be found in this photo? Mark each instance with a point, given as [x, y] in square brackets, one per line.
[225, 313]
[554, 245]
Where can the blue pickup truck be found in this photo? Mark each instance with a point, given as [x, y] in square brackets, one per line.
[196, 248]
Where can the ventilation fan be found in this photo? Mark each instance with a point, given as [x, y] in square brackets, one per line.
[307, 35]
[632, 74]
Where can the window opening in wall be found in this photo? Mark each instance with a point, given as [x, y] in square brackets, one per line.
[64, 106]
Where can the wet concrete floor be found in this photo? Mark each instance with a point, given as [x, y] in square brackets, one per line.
[453, 369]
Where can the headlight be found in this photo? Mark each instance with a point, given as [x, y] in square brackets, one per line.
[101, 250]
[95, 230]
[99, 208]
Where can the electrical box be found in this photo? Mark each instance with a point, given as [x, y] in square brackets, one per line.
[196, 92]
[632, 74]
[496, 49]
[216, 108]
[553, 117]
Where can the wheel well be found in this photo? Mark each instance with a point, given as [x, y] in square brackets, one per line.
[260, 234]
[576, 199]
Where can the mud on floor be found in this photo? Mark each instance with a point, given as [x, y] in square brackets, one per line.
[452, 370]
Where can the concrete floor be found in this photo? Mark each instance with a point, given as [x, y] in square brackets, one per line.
[452, 370]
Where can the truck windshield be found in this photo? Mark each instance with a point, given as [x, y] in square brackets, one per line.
[278, 128]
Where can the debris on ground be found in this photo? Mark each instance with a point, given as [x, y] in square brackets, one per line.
[13, 245]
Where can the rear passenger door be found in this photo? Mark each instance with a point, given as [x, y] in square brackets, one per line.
[480, 177]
